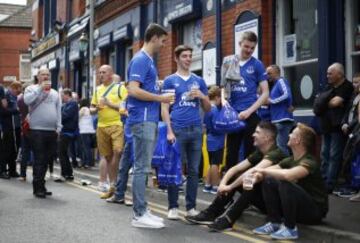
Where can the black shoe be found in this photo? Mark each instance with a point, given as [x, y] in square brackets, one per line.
[204, 218]
[14, 174]
[4, 175]
[220, 224]
[40, 194]
[69, 178]
[48, 193]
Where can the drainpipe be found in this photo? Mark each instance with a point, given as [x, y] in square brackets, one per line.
[218, 42]
[67, 63]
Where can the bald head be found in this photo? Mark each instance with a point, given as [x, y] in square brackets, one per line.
[43, 75]
[105, 74]
[335, 74]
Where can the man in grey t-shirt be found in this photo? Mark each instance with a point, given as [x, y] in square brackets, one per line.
[45, 124]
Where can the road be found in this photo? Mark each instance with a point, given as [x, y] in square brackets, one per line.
[76, 214]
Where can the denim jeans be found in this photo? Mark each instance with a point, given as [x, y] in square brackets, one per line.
[189, 140]
[144, 139]
[64, 142]
[123, 175]
[87, 156]
[25, 154]
[331, 157]
[282, 138]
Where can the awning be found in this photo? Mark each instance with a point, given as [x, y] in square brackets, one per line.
[78, 27]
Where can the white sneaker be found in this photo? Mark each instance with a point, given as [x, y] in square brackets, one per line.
[103, 186]
[173, 214]
[192, 212]
[154, 217]
[146, 221]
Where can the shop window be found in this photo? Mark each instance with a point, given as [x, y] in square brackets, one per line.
[298, 48]
[49, 16]
[352, 32]
[191, 36]
[25, 68]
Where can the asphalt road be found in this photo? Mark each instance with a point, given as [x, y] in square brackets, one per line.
[76, 214]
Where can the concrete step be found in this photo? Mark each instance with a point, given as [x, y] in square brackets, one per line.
[250, 219]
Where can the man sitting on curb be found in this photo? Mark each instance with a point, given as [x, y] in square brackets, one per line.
[293, 190]
[266, 154]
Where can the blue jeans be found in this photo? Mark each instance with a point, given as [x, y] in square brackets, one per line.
[189, 140]
[144, 139]
[123, 175]
[86, 148]
[25, 154]
[331, 157]
[282, 138]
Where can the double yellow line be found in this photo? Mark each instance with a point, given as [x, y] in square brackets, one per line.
[240, 232]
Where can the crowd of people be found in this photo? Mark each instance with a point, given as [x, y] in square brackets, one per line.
[271, 162]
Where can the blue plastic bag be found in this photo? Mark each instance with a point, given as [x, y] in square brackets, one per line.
[355, 171]
[161, 143]
[227, 121]
[170, 170]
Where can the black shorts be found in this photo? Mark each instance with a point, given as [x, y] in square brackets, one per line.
[215, 157]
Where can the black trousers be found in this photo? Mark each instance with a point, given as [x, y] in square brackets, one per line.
[289, 201]
[64, 143]
[11, 141]
[234, 141]
[234, 209]
[43, 144]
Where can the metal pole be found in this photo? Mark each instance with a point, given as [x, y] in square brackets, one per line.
[218, 42]
[91, 47]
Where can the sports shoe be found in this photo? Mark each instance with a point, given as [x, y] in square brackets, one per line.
[207, 188]
[267, 229]
[22, 178]
[214, 190]
[285, 233]
[204, 218]
[220, 224]
[103, 186]
[173, 214]
[108, 194]
[192, 212]
[355, 198]
[145, 221]
[347, 193]
[114, 199]
[154, 217]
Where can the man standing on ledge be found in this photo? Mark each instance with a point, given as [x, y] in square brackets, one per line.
[143, 105]
[45, 124]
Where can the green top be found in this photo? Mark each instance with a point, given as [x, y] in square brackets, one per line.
[313, 183]
[275, 155]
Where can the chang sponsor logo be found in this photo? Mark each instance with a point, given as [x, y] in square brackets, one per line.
[185, 100]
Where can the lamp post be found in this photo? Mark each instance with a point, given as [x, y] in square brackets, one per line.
[83, 45]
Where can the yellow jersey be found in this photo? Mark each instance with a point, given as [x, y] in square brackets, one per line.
[108, 116]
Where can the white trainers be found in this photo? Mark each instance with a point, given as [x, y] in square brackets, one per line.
[146, 221]
[192, 212]
[154, 217]
[103, 186]
[173, 214]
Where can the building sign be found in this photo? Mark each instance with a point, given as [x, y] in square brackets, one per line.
[209, 64]
[290, 48]
[103, 41]
[122, 33]
[250, 25]
[74, 53]
[9, 78]
[43, 60]
[52, 64]
[46, 45]
[176, 10]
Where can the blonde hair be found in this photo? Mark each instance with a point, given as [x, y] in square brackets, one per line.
[214, 91]
[308, 136]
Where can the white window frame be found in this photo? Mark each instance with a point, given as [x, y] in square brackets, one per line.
[349, 37]
[24, 59]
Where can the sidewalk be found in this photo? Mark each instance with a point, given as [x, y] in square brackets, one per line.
[342, 223]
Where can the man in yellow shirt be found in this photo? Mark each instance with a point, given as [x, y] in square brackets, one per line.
[106, 102]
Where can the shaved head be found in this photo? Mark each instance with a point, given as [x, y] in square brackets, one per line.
[335, 74]
[106, 74]
[338, 67]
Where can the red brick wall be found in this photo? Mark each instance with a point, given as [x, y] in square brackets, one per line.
[165, 61]
[78, 8]
[37, 22]
[13, 41]
[209, 29]
[61, 11]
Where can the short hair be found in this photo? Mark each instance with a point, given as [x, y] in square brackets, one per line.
[308, 136]
[269, 127]
[67, 91]
[249, 36]
[16, 85]
[275, 67]
[214, 91]
[356, 75]
[179, 49]
[154, 30]
[338, 67]
[84, 103]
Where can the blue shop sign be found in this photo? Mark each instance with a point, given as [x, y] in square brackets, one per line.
[104, 41]
[123, 33]
[180, 10]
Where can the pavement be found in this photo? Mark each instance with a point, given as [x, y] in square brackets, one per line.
[340, 225]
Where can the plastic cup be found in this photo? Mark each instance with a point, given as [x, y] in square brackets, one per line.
[248, 182]
[170, 92]
[47, 85]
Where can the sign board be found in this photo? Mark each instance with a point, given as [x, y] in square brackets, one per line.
[251, 25]
[9, 78]
[209, 64]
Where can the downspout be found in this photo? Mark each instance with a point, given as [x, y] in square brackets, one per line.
[67, 63]
[218, 42]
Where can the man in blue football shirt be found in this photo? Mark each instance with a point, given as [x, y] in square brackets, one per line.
[143, 107]
[243, 96]
[184, 124]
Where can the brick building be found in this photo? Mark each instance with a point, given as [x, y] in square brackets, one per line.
[15, 29]
[302, 36]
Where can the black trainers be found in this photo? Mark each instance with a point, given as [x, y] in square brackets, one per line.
[4, 175]
[204, 218]
[220, 224]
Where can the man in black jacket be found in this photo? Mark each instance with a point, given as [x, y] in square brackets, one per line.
[333, 139]
[70, 123]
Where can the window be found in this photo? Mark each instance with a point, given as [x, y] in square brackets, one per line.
[191, 36]
[25, 68]
[352, 37]
[49, 16]
[298, 48]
